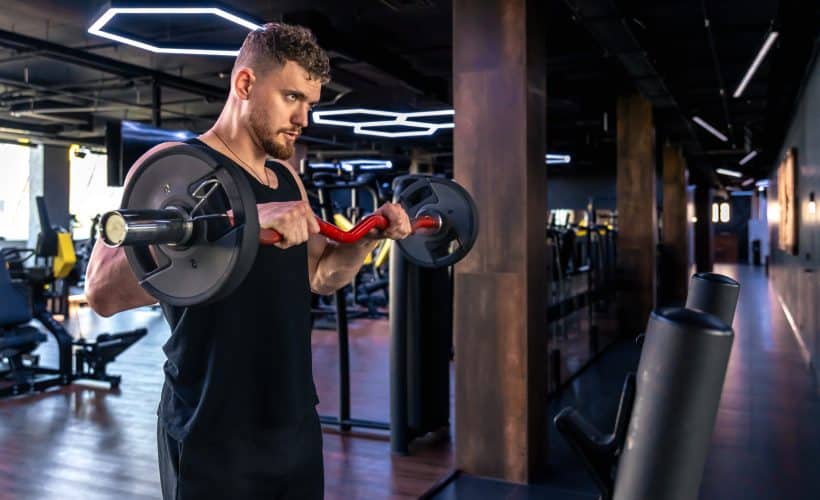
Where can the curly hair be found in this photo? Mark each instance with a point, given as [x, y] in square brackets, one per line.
[274, 43]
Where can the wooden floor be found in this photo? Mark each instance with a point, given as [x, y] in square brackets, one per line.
[87, 443]
[90, 443]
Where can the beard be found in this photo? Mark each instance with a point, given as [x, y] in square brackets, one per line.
[267, 137]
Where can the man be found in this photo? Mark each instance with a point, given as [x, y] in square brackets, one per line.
[237, 416]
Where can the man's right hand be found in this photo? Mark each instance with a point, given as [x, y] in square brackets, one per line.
[294, 220]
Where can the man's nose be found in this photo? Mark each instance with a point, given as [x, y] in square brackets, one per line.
[300, 118]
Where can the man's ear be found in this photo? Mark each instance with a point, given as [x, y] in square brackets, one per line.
[243, 81]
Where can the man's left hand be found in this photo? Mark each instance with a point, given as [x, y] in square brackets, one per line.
[398, 222]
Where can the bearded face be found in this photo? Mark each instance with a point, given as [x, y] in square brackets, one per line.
[272, 139]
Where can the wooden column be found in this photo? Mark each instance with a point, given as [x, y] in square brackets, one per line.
[675, 240]
[637, 215]
[704, 237]
[499, 84]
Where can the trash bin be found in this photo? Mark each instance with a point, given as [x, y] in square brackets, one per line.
[756, 260]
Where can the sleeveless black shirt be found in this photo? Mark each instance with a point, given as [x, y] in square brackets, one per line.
[243, 364]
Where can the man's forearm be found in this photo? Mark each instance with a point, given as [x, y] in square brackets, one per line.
[339, 264]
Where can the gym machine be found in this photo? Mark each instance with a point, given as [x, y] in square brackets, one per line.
[25, 294]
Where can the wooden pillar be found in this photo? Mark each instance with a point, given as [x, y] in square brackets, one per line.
[675, 237]
[637, 214]
[704, 237]
[499, 83]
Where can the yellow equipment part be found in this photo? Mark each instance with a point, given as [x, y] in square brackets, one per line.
[384, 252]
[66, 258]
[345, 225]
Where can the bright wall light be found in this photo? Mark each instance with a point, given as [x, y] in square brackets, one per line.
[730, 173]
[773, 211]
[746, 159]
[725, 212]
[712, 130]
[715, 212]
[375, 121]
[761, 54]
[98, 27]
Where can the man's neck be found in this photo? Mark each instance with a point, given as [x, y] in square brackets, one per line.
[235, 142]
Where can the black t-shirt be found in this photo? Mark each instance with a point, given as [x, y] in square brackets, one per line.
[242, 365]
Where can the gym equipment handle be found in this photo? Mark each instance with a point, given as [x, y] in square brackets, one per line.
[170, 226]
[357, 232]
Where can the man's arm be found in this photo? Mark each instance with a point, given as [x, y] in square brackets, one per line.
[332, 265]
[110, 284]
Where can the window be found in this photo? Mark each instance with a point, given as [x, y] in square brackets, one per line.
[89, 193]
[14, 191]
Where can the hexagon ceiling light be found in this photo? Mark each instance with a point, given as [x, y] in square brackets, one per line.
[379, 123]
[98, 28]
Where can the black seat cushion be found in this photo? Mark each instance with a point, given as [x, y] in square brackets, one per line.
[15, 306]
[19, 339]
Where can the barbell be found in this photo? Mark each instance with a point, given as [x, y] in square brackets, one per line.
[185, 248]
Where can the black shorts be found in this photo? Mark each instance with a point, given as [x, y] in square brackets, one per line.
[283, 463]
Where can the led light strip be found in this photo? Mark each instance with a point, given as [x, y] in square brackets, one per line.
[347, 165]
[758, 59]
[99, 24]
[746, 159]
[555, 159]
[730, 173]
[712, 130]
[396, 119]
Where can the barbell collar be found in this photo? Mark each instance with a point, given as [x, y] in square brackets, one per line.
[170, 226]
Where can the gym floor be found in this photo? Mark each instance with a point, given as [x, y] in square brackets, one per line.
[81, 442]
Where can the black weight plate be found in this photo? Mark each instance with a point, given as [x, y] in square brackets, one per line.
[455, 206]
[219, 256]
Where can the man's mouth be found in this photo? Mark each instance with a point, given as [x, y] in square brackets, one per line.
[292, 135]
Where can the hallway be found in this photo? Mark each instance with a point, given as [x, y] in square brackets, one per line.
[766, 442]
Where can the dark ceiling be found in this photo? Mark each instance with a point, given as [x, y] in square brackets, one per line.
[58, 83]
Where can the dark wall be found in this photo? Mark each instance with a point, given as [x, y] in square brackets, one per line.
[570, 187]
[796, 278]
[738, 224]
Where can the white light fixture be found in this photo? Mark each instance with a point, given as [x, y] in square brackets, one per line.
[99, 24]
[758, 59]
[555, 159]
[730, 173]
[725, 212]
[322, 165]
[715, 212]
[747, 182]
[712, 130]
[746, 159]
[812, 204]
[761, 188]
[348, 165]
[764, 183]
[413, 121]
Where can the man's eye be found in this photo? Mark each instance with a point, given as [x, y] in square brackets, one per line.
[292, 97]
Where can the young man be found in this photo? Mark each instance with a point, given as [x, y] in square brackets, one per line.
[237, 416]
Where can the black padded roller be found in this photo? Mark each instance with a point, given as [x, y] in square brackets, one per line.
[714, 294]
[679, 382]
